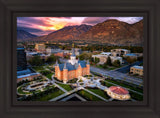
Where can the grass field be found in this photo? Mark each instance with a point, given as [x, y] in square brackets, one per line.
[136, 96]
[99, 92]
[105, 83]
[56, 93]
[49, 76]
[65, 86]
[88, 96]
[20, 91]
[125, 85]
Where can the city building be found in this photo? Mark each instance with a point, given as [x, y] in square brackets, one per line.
[102, 58]
[40, 47]
[21, 59]
[52, 50]
[113, 58]
[60, 54]
[119, 52]
[137, 70]
[106, 53]
[119, 93]
[28, 77]
[133, 55]
[71, 69]
[23, 73]
[30, 55]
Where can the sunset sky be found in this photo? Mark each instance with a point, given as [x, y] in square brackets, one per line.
[44, 25]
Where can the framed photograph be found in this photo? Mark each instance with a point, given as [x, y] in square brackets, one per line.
[79, 59]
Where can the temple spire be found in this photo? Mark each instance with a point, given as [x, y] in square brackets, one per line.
[88, 62]
[73, 52]
[65, 66]
[56, 63]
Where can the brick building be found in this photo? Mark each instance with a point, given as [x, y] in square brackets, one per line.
[71, 69]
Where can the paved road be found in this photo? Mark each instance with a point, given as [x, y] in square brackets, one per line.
[117, 75]
[60, 87]
[73, 95]
[126, 88]
[126, 69]
[65, 94]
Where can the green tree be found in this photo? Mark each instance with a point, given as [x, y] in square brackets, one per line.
[109, 61]
[130, 60]
[116, 63]
[36, 61]
[51, 59]
[96, 60]
[85, 56]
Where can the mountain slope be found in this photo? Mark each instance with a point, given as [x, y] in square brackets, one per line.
[110, 31]
[68, 33]
[115, 32]
[22, 35]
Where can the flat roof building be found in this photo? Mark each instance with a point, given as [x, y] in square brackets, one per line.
[137, 70]
[21, 59]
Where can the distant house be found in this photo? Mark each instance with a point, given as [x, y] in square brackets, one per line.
[113, 58]
[71, 69]
[52, 50]
[40, 47]
[29, 77]
[137, 70]
[133, 55]
[104, 56]
[119, 52]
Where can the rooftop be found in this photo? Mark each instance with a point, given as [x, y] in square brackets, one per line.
[106, 53]
[24, 72]
[70, 67]
[138, 67]
[118, 90]
[27, 75]
[20, 48]
[131, 54]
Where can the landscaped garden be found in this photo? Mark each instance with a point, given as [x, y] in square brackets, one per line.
[99, 92]
[65, 86]
[121, 83]
[72, 80]
[88, 96]
[136, 96]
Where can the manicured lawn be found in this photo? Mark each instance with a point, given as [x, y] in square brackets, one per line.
[88, 96]
[49, 76]
[125, 85]
[99, 92]
[56, 93]
[21, 91]
[65, 86]
[38, 68]
[73, 80]
[105, 83]
[136, 96]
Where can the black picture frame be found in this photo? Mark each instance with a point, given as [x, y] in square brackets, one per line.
[10, 9]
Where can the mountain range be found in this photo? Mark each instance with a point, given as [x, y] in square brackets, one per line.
[110, 31]
[23, 35]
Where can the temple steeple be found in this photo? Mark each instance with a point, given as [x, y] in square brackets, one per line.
[65, 66]
[73, 56]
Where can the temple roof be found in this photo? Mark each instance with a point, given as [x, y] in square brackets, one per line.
[70, 67]
[118, 90]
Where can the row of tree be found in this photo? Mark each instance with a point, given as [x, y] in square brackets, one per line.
[38, 61]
